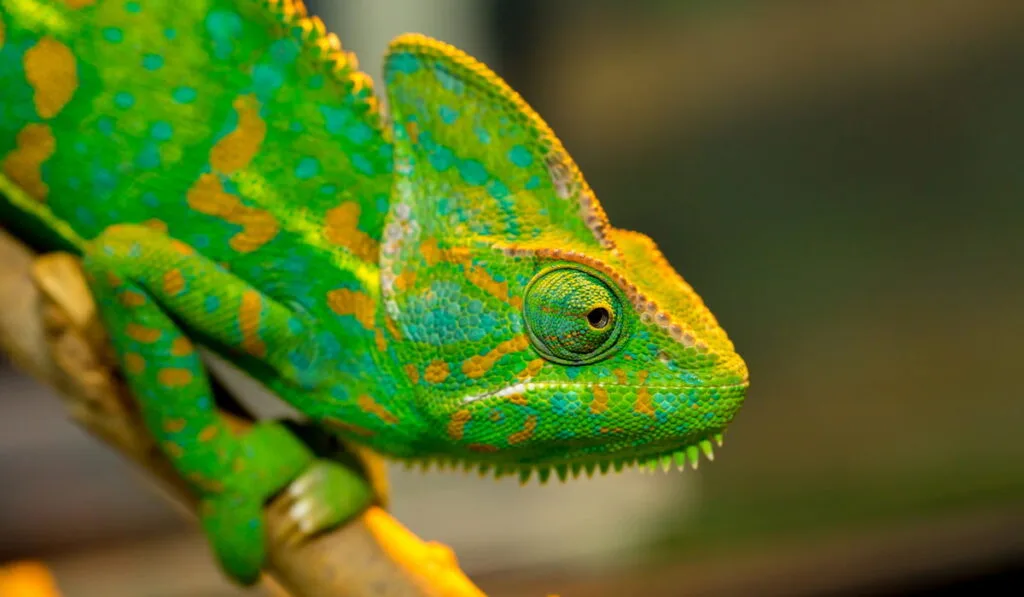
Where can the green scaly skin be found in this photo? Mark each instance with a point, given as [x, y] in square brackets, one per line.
[445, 286]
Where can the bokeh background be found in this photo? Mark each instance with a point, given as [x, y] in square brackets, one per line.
[841, 180]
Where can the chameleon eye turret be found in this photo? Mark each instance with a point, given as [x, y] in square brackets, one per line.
[573, 316]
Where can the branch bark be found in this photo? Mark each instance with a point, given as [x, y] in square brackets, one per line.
[48, 326]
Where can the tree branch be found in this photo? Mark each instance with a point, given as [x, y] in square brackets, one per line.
[48, 326]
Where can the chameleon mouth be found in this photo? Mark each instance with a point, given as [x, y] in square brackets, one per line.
[589, 465]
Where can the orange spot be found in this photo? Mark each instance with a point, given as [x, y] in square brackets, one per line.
[155, 224]
[382, 345]
[532, 368]
[457, 425]
[236, 149]
[134, 364]
[51, 72]
[342, 229]
[174, 282]
[620, 376]
[173, 450]
[436, 372]
[481, 278]
[412, 373]
[181, 347]
[344, 301]
[141, 333]
[478, 365]
[391, 327]
[34, 144]
[600, 402]
[181, 248]
[76, 4]
[3, 33]
[406, 279]
[249, 318]
[644, 405]
[27, 579]
[483, 448]
[368, 404]
[130, 298]
[412, 131]
[259, 227]
[175, 425]
[174, 378]
[519, 399]
[208, 433]
[113, 280]
[527, 432]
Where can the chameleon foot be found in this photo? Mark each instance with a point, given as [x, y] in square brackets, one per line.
[324, 496]
[234, 525]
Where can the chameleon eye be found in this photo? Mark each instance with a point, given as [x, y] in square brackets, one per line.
[573, 316]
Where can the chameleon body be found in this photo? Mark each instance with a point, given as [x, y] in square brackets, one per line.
[442, 284]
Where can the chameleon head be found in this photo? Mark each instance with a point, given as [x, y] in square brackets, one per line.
[537, 337]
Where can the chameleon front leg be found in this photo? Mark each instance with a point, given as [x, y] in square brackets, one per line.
[144, 284]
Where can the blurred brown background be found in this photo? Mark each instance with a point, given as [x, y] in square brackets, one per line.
[841, 180]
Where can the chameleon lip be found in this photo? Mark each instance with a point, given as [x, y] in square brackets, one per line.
[521, 387]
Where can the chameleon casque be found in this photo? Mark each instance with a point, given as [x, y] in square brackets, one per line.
[440, 283]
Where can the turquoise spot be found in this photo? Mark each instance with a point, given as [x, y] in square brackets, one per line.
[359, 133]
[483, 134]
[211, 304]
[296, 127]
[74, 183]
[161, 130]
[473, 172]
[335, 119]
[103, 181]
[520, 156]
[124, 100]
[132, 7]
[497, 189]
[328, 189]
[361, 163]
[224, 26]
[441, 159]
[308, 168]
[85, 216]
[448, 115]
[170, 33]
[149, 199]
[315, 82]
[152, 61]
[200, 241]
[113, 35]
[403, 62]
[184, 95]
[284, 51]
[450, 82]
[105, 124]
[265, 81]
[532, 183]
[81, 147]
[149, 157]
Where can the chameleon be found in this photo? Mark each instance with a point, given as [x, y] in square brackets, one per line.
[434, 281]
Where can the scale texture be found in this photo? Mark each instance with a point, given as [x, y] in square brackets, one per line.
[439, 285]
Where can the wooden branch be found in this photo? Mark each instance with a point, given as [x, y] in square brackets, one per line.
[48, 326]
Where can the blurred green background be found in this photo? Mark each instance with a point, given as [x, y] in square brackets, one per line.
[842, 181]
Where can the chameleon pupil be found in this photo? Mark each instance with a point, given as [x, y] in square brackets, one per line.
[599, 318]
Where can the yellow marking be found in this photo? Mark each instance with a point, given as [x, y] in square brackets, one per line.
[457, 426]
[478, 365]
[34, 144]
[369, 405]
[208, 433]
[532, 368]
[344, 301]
[249, 315]
[236, 149]
[259, 227]
[173, 450]
[485, 281]
[175, 425]
[480, 277]
[134, 364]
[27, 579]
[174, 378]
[412, 373]
[392, 328]
[50, 70]
[643, 405]
[130, 298]
[436, 372]
[141, 333]
[600, 402]
[341, 227]
[178, 246]
[174, 282]
[181, 347]
[156, 224]
[527, 432]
